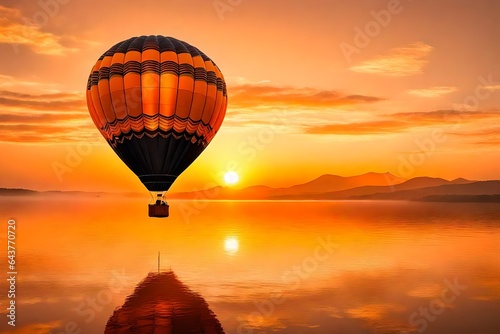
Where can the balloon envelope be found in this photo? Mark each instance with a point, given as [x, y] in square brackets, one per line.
[158, 102]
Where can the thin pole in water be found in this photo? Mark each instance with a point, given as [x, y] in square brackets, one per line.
[158, 262]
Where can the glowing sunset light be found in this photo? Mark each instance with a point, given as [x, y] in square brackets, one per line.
[231, 178]
[231, 245]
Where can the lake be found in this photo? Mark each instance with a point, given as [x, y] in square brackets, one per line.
[263, 267]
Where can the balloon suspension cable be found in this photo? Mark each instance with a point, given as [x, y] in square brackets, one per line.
[158, 197]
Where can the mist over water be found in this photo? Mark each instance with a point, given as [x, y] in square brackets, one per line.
[263, 267]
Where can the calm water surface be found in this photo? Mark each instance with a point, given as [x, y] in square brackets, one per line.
[263, 267]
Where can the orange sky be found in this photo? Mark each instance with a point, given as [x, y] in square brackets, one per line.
[308, 94]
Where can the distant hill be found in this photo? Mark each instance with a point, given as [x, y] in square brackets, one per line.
[329, 183]
[474, 188]
[28, 192]
[462, 198]
[415, 183]
[17, 192]
[322, 184]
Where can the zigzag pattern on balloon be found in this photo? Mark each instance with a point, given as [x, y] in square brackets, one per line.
[171, 133]
[120, 127]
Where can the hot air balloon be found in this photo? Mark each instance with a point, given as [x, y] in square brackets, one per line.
[158, 102]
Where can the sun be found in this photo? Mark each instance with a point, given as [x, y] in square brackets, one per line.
[231, 178]
[231, 245]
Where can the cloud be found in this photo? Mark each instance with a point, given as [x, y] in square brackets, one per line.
[398, 62]
[41, 118]
[289, 109]
[18, 30]
[491, 87]
[486, 137]
[12, 86]
[44, 118]
[488, 143]
[54, 101]
[487, 133]
[39, 328]
[360, 128]
[445, 116]
[265, 95]
[432, 92]
[400, 122]
[42, 133]
[240, 81]
[32, 97]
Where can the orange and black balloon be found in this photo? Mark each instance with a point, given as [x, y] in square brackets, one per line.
[158, 102]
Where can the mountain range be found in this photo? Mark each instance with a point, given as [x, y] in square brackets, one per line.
[369, 186]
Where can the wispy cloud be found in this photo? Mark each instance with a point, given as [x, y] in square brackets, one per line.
[446, 116]
[257, 104]
[39, 328]
[17, 30]
[44, 118]
[43, 133]
[433, 91]
[398, 62]
[487, 137]
[45, 102]
[23, 119]
[400, 122]
[489, 143]
[241, 81]
[27, 86]
[261, 95]
[360, 128]
[491, 87]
